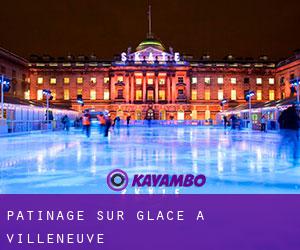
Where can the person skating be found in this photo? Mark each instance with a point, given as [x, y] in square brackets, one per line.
[263, 123]
[107, 125]
[128, 120]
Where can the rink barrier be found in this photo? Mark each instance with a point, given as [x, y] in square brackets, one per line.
[170, 123]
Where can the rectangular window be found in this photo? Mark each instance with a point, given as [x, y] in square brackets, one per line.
[161, 95]
[271, 95]
[220, 80]
[27, 95]
[259, 95]
[150, 95]
[258, 80]
[194, 94]
[79, 91]
[180, 79]
[207, 95]
[271, 80]
[220, 94]
[233, 80]
[79, 80]
[40, 80]
[66, 94]
[150, 81]
[120, 78]
[66, 80]
[138, 95]
[52, 80]
[194, 80]
[120, 94]
[106, 94]
[233, 94]
[207, 80]
[162, 81]
[106, 79]
[138, 81]
[53, 93]
[93, 80]
[39, 95]
[93, 94]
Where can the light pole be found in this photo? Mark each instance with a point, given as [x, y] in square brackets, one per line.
[5, 87]
[248, 97]
[47, 93]
[223, 102]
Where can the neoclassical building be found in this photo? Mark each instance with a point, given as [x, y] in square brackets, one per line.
[150, 81]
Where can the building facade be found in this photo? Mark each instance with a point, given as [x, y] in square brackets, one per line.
[155, 82]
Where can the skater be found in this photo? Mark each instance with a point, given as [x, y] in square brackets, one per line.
[117, 121]
[86, 122]
[107, 125]
[289, 126]
[66, 123]
[225, 121]
[128, 120]
[263, 123]
[102, 122]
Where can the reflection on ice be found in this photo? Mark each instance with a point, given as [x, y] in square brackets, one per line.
[235, 162]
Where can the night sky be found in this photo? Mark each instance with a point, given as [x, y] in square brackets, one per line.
[244, 28]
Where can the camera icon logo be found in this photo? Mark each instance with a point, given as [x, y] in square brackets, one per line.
[117, 180]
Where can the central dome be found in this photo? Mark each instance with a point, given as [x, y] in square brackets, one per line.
[150, 42]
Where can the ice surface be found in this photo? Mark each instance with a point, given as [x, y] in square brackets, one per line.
[233, 162]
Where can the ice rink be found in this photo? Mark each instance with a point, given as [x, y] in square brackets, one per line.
[233, 161]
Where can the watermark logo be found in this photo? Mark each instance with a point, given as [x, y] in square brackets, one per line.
[117, 180]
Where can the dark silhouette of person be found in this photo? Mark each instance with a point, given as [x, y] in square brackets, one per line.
[225, 121]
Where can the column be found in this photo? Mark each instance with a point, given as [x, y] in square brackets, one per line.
[156, 87]
[132, 88]
[144, 88]
[112, 88]
[188, 88]
[173, 84]
[169, 82]
[127, 93]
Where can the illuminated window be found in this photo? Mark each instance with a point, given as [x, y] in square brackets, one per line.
[220, 94]
[52, 80]
[138, 81]
[207, 80]
[106, 79]
[258, 80]
[79, 80]
[194, 80]
[79, 91]
[53, 93]
[271, 80]
[161, 95]
[93, 94]
[138, 95]
[40, 94]
[259, 95]
[93, 80]
[207, 95]
[66, 94]
[207, 114]
[120, 79]
[27, 95]
[150, 81]
[40, 80]
[194, 94]
[150, 95]
[66, 80]
[271, 95]
[106, 94]
[233, 80]
[233, 94]
[162, 81]
[220, 80]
